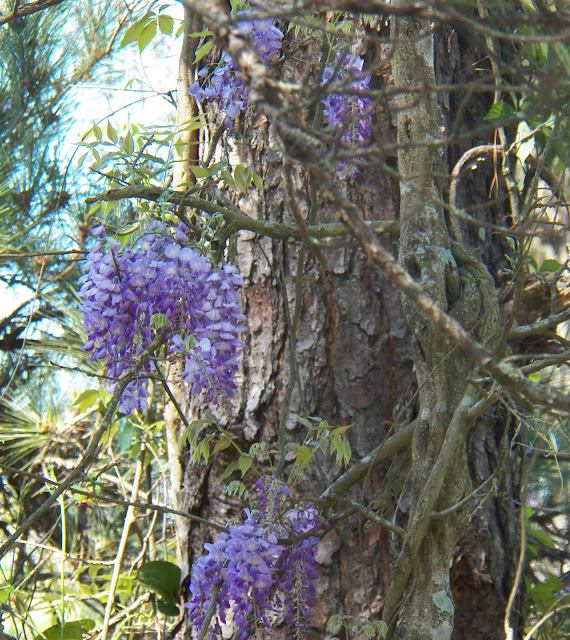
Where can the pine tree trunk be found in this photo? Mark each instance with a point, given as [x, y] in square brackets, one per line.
[336, 341]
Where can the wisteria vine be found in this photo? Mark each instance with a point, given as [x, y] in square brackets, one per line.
[223, 84]
[258, 581]
[348, 114]
[128, 291]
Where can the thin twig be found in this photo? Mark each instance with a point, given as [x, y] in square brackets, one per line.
[147, 506]
[209, 613]
[544, 619]
[370, 515]
[127, 523]
[509, 631]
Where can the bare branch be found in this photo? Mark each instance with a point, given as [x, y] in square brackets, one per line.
[145, 506]
[28, 9]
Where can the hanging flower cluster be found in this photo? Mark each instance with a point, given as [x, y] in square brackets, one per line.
[224, 85]
[259, 581]
[349, 114]
[158, 281]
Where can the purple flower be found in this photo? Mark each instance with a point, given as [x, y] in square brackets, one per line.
[126, 290]
[349, 115]
[259, 579]
[223, 84]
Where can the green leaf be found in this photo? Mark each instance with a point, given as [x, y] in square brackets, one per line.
[112, 133]
[104, 160]
[132, 33]
[127, 436]
[499, 112]
[236, 488]
[334, 623]
[146, 35]
[341, 429]
[542, 537]
[244, 464]
[535, 377]
[200, 34]
[348, 27]
[81, 158]
[239, 177]
[214, 169]
[257, 181]
[97, 131]
[256, 447]
[533, 263]
[192, 124]
[543, 593]
[128, 144]
[203, 50]
[161, 577]
[203, 450]
[200, 172]
[303, 455]
[159, 321]
[165, 24]
[223, 443]
[233, 466]
[346, 452]
[550, 265]
[382, 627]
[68, 631]
[86, 399]
[304, 422]
[167, 607]
[228, 179]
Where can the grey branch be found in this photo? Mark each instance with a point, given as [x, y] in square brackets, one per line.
[237, 218]
[27, 10]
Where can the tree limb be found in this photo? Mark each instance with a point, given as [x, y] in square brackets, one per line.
[383, 452]
[234, 216]
[28, 9]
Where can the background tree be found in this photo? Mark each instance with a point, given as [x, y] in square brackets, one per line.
[437, 133]
[41, 65]
[45, 52]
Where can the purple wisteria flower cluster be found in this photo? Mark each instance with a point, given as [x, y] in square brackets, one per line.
[260, 582]
[348, 114]
[159, 281]
[223, 84]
